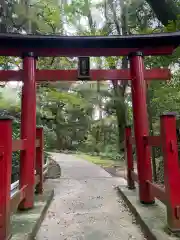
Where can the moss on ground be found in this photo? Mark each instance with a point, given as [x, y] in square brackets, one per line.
[100, 161]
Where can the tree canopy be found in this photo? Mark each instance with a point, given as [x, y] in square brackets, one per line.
[90, 116]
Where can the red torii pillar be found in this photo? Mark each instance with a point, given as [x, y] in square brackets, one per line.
[28, 129]
[141, 128]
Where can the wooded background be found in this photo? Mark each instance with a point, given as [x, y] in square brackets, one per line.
[90, 116]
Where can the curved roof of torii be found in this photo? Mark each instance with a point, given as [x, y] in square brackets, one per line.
[55, 45]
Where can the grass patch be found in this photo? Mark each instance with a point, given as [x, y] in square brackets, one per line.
[99, 161]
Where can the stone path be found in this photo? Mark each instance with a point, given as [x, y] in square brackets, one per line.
[86, 205]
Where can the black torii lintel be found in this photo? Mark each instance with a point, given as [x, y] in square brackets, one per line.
[53, 45]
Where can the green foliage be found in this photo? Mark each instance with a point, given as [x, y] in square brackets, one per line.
[110, 152]
[97, 160]
[87, 116]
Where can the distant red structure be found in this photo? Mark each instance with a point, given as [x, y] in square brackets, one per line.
[29, 47]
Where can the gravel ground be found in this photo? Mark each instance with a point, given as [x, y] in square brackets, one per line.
[86, 205]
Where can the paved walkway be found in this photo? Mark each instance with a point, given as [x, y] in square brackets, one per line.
[86, 205]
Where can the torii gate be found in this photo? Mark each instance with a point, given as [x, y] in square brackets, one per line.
[29, 47]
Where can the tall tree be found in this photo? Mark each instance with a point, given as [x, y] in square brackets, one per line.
[165, 10]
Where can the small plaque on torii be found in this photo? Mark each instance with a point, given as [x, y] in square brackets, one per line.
[84, 68]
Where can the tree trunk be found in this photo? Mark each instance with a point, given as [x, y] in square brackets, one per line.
[100, 109]
[98, 136]
[120, 111]
[3, 16]
[165, 10]
[119, 90]
[28, 24]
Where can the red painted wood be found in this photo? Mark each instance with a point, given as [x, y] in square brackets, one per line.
[129, 158]
[5, 176]
[138, 88]
[18, 144]
[96, 75]
[28, 131]
[154, 141]
[99, 75]
[158, 192]
[40, 159]
[157, 74]
[76, 52]
[171, 170]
